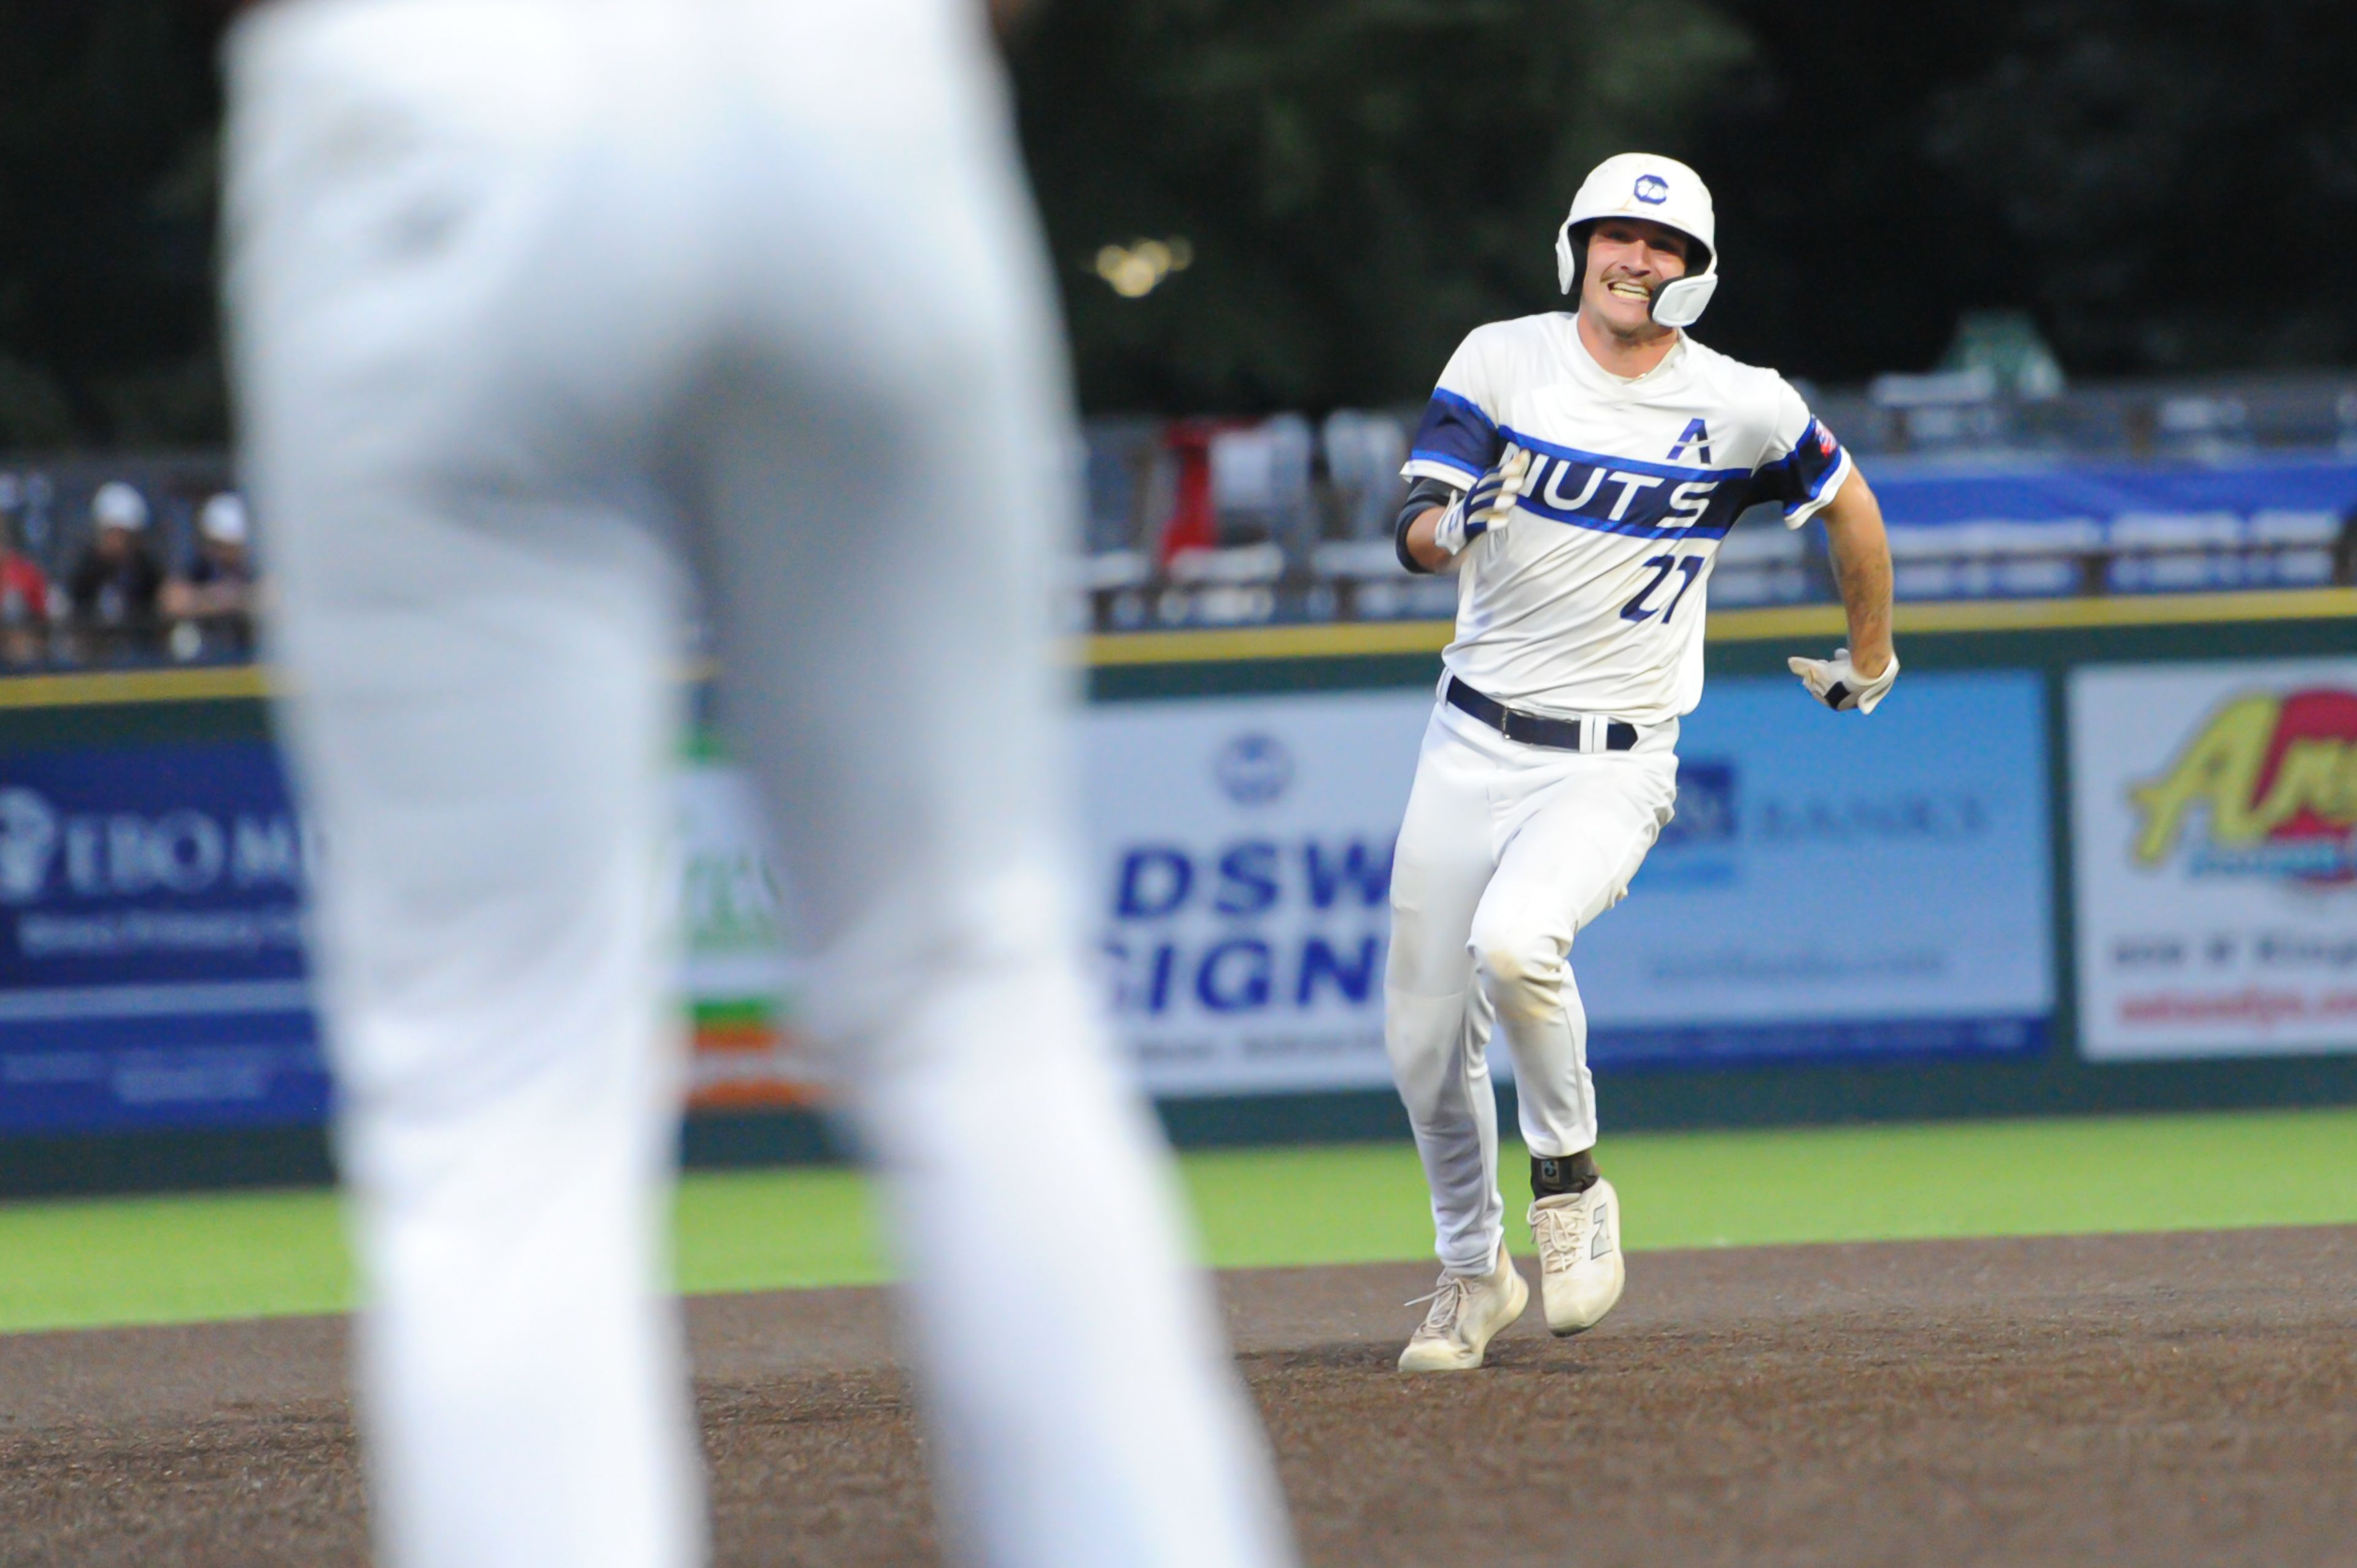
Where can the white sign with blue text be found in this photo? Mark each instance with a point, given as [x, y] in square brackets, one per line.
[1837, 884]
[1834, 887]
[1240, 873]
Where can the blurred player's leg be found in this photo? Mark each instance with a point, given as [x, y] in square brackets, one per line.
[482, 759]
[493, 262]
[475, 640]
[1436, 1019]
[890, 469]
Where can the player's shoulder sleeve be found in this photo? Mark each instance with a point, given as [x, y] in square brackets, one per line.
[1458, 441]
[1802, 464]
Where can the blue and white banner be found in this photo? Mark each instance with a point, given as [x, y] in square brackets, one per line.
[1836, 885]
[1833, 886]
[151, 953]
[1239, 866]
[152, 968]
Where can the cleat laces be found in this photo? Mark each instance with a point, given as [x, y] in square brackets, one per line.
[1448, 1304]
[1561, 1234]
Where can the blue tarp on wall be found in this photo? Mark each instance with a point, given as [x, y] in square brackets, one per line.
[1922, 492]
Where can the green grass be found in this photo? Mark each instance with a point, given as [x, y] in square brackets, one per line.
[170, 1260]
[156, 1260]
[1366, 1202]
[776, 1230]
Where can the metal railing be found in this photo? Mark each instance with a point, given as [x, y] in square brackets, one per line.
[1237, 522]
[1191, 524]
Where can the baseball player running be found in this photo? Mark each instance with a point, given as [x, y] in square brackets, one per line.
[1578, 470]
[535, 305]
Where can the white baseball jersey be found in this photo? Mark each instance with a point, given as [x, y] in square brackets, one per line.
[1590, 600]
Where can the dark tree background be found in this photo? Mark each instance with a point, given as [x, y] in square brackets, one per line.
[2164, 185]
[108, 111]
[1361, 180]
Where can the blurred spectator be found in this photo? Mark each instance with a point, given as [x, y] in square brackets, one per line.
[1363, 454]
[24, 601]
[212, 604]
[1260, 488]
[114, 585]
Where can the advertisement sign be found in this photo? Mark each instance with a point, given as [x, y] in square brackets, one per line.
[1240, 861]
[1831, 886]
[151, 958]
[151, 943]
[738, 978]
[1836, 885]
[2214, 823]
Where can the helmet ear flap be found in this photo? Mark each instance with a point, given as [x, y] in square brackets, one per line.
[1680, 302]
[1570, 251]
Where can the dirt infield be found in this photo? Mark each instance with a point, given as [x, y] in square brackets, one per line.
[2150, 1400]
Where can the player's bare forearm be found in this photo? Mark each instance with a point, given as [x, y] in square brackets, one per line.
[1861, 558]
[1421, 545]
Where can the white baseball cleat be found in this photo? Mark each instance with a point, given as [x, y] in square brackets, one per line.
[1466, 1311]
[1580, 1270]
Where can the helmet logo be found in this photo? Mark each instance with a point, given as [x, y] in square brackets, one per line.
[1653, 190]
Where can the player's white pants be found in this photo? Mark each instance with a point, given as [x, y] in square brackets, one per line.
[542, 307]
[1506, 851]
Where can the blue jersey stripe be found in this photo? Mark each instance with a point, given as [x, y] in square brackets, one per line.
[1446, 461]
[1800, 477]
[1631, 529]
[1456, 432]
[1462, 404]
[1627, 465]
[1608, 497]
[1817, 485]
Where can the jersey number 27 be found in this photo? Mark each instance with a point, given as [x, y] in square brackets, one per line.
[1662, 565]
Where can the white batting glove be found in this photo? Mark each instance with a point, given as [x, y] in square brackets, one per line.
[1487, 505]
[1836, 683]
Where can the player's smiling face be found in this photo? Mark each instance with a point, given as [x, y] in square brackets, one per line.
[1629, 259]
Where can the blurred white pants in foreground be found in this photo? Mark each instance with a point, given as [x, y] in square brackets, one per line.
[541, 309]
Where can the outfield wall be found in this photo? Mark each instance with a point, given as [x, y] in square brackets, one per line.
[2091, 854]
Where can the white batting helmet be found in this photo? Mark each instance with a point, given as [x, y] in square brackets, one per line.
[118, 505]
[223, 520]
[1661, 190]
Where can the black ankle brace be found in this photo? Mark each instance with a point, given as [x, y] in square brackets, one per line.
[1553, 1177]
